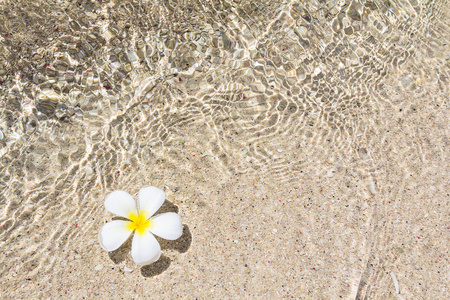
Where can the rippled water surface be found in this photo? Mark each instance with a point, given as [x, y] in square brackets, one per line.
[305, 144]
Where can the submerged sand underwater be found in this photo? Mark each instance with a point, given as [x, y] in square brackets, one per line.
[303, 143]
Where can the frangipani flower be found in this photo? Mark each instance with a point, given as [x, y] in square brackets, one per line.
[145, 249]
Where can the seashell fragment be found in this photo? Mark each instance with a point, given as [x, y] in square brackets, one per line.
[372, 187]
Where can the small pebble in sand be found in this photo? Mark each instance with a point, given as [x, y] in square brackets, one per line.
[372, 187]
[280, 150]
[89, 170]
[330, 173]
[98, 267]
[127, 270]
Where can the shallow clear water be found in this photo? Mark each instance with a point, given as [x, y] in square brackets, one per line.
[322, 112]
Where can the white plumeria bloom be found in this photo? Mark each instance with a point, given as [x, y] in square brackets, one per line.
[145, 249]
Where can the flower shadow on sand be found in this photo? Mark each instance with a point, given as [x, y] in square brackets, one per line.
[181, 245]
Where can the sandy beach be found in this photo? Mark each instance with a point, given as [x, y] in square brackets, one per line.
[304, 144]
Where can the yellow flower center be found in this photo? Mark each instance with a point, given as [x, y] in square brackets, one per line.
[139, 222]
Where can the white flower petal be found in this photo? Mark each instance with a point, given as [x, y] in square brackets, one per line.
[113, 234]
[150, 199]
[167, 225]
[145, 249]
[120, 203]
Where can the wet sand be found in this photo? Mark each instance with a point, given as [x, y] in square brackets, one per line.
[307, 160]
